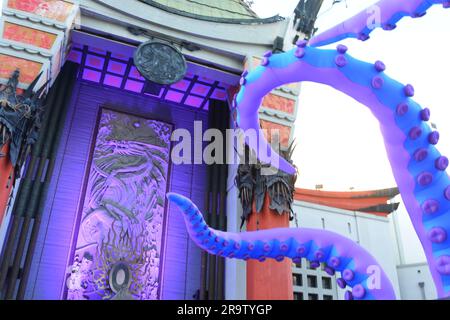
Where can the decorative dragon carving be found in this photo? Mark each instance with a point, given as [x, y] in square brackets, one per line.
[20, 119]
[253, 187]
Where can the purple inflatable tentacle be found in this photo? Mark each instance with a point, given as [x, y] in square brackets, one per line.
[358, 268]
[418, 167]
[361, 25]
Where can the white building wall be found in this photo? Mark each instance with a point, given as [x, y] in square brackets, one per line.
[375, 236]
[410, 246]
[416, 282]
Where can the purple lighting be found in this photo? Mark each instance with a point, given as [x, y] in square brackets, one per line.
[112, 81]
[95, 62]
[91, 75]
[74, 56]
[200, 89]
[181, 85]
[194, 101]
[134, 73]
[117, 71]
[117, 67]
[209, 81]
[134, 86]
[219, 94]
[121, 222]
[174, 96]
[119, 56]
[97, 50]
[66, 195]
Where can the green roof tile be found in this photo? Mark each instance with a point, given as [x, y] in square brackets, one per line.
[222, 9]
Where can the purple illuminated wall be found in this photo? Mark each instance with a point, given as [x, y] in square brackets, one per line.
[180, 264]
[117, 71]
[123, 212]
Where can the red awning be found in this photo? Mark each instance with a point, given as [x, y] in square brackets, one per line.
[373, 202]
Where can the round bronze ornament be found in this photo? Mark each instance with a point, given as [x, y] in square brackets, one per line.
[160, 62]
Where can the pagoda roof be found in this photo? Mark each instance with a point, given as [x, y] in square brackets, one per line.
[373, 202]
[224, 11]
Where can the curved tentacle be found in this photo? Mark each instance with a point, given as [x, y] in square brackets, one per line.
[361, 25]
[418, 167]
[359, 270]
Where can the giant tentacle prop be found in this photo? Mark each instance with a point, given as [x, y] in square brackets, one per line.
[418, 167]
[361, 25]
[358, 268]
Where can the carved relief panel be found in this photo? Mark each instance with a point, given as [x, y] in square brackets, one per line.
[118, 248]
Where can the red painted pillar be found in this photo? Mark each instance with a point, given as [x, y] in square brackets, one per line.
[6, 179]
[269, 280]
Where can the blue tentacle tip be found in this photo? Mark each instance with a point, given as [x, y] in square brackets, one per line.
[178, 199]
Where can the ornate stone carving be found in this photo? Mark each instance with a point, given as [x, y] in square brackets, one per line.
[123, 210]
[253, 187]
[159, 62]
[20, 119]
